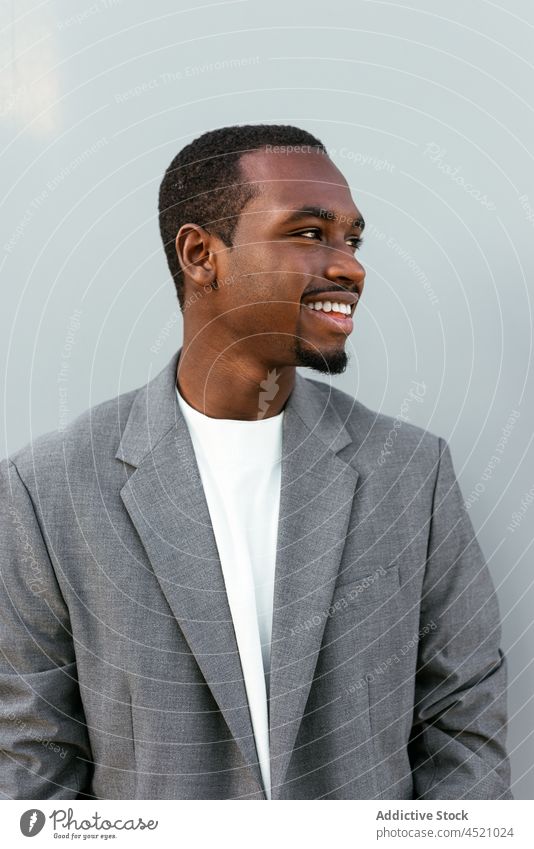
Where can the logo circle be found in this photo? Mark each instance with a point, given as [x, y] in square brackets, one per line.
[32, 822]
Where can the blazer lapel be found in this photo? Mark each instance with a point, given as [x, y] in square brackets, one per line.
[165, 499]
[317, 492]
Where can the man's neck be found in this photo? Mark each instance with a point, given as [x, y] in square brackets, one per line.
[223, 388]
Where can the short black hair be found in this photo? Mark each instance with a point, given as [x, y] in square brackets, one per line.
[203, 184]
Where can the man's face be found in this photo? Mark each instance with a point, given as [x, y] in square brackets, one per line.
[293, 249]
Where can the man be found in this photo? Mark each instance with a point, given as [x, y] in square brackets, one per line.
[237, 582]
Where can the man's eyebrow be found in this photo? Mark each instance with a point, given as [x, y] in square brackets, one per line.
[324, 214]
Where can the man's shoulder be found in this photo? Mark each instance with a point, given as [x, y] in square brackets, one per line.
[86, 440]
[381, 435]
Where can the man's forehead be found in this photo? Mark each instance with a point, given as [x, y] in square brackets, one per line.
[297, 180]
[279, 163]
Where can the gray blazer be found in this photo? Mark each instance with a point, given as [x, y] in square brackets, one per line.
[120, 676]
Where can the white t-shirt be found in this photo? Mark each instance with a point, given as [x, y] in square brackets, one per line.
[240, 466]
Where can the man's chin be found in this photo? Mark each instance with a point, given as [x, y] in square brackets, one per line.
[327, 362]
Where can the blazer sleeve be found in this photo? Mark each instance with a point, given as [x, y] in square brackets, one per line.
[44, 745]
[457, 745]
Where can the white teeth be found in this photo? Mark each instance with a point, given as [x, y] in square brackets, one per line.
[330, 306]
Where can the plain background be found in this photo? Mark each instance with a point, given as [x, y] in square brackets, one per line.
[428, 110]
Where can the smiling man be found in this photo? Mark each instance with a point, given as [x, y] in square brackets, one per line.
[234, 583]
[280, 251]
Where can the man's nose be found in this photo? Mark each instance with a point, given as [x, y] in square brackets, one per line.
[344, 268]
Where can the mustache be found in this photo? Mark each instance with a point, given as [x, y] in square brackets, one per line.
[332, 287]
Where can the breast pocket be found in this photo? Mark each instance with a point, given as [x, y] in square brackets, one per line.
[377, 589]
[364, 619]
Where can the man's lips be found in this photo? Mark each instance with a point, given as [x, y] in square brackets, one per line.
[330, 309]
[337, 296]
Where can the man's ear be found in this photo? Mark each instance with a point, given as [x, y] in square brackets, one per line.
[196, 254]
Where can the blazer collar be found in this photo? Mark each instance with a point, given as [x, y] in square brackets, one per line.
[155, 411]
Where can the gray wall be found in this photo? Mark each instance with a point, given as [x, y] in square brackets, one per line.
[427, 108]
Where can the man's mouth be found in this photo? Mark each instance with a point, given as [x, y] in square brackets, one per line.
[334, 312]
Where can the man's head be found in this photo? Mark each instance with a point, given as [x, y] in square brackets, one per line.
[258, 224]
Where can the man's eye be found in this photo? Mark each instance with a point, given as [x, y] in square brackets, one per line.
[314, 233]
